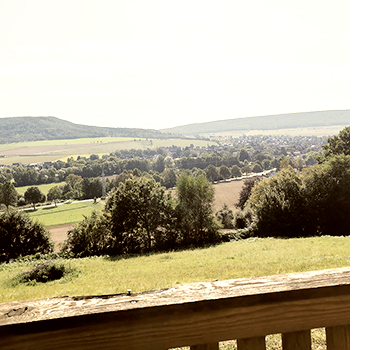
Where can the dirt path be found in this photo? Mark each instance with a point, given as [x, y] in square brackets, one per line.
[58, 234]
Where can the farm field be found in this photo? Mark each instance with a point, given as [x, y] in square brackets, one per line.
[248, 258]
[53, 150]
[64, 214]
[227, 193]
[44, 188]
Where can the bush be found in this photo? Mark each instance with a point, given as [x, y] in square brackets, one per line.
[225, 216]
[45, 272]
[90, 237]
[20, 236]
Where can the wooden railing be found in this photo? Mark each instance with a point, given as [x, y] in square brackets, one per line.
[198, 315]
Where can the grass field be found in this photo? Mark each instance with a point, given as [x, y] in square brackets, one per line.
[44, 188]
[52, 150]
[64, 214]
[248, 258]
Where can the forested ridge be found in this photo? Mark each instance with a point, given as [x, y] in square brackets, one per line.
[268, 122]
[22, 129]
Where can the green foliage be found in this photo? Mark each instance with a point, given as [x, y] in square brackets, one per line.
[277, 204]
[327, 196]
[225, 216]
[91, 187]
[246, 191]
[34, 195]
[338, 144]
[8, 194]
[140, 212]
[91, 236]
[44, 272]
[212, 173]
[315, 202]
[51, 128]
[55, 194]
[20, 236]
[224, 172]
[195, 197]
[169, 178]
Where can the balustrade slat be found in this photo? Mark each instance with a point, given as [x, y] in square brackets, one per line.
[297, 340]
[257, 343]
[211, 346]
[338, 338]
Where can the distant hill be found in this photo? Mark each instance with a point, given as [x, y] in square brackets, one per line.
[18, 129]
[268, 122]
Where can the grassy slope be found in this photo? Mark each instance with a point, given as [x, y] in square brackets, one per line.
[252, 257]
[64, 214]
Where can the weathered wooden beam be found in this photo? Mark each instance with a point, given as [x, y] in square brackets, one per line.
[198, 313]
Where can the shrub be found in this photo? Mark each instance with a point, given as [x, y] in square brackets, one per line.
[90, 237]
[44, 272]
[20, 236]
[225, 216]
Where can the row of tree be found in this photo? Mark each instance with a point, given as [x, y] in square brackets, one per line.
[262, 152]
[140, 216]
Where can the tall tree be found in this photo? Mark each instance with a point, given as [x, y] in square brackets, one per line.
[277, 205]
[246, 191]
[327, 196]
[195, 197]
[55, 193]
[34, 195]
[8, 194]
[140, 209]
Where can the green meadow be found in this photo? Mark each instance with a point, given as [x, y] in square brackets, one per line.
[44, 188]
[247, 258]
[68, 213]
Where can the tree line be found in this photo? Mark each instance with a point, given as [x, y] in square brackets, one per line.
[141, 216]
[250, 154]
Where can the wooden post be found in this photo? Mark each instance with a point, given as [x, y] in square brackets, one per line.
[257, 343]
[297, 340]
[337, 338]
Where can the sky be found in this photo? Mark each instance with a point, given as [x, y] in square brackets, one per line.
[158, 64]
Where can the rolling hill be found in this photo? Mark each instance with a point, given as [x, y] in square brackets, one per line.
[268, 122]
[22, 129]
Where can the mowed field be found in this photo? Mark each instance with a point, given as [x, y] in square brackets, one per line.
[53, 150]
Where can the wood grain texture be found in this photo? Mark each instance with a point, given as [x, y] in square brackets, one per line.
[198, 313]
[297, 340]
[338, 338]
[257, 343]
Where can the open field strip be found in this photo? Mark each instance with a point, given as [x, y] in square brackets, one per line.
[68, 213]
[247, 258]
[44, 188]
[47, 143]
[53, 150]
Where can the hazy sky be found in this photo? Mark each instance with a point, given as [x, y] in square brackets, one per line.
[155, 64]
